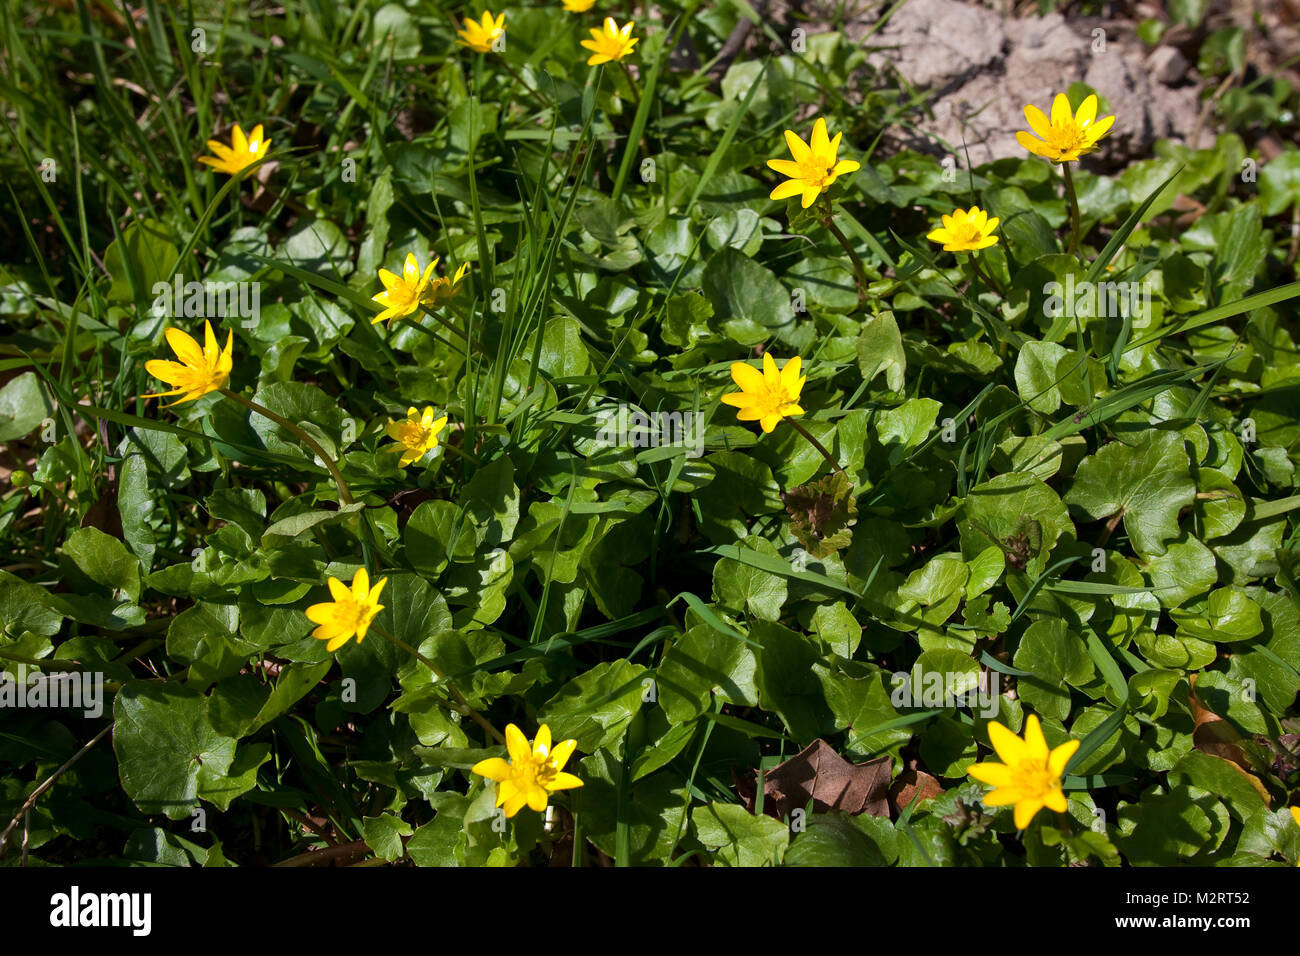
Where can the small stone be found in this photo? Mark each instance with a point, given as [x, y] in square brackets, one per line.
[1167, 65]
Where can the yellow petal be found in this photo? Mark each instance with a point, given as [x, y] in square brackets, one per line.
[542, 742]
[1025, 811]
[361, 584]
[798, 148]
[536, 798]
[1061, 113]
[790, 374]
[561, 753]
[1035, 743]
[186, 349]
[820, 142]
[1038, 122]
[517, 744]
[494, 768]
[1009, 748]
[1099, 129]
[746, 376]
[1087, 111]
[994, 774]
[1061, 756]
[791, 187]
[565, 781]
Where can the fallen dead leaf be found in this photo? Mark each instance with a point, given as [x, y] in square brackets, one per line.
[831, 782]
[908, 784]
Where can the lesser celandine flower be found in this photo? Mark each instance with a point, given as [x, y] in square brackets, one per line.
[966, 230]
[480, 36]
[768, 396]
[578, 6]
[814, 167]
[418, 434]
[533, 773]
[443, 287]
[242, 152]
[199, 371]
[1030, 773]
[1067, 135]
[611, 43]
[402, 294]
[349, 613]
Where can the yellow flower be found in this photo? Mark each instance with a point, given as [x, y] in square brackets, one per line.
[1029, 775]
[1067, 136]
[199, 371]
[814, 167]
[481, 37]
[443, 288]
[533, 773]
[349, 613]
[966, 230]
[611, 43]
[402, 294]
[578, 6]
[768, 396]
[418, 435]
[1295, 815]
[243, 151]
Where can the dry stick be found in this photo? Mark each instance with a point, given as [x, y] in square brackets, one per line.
[816, 444]
[1074, 209]
[49, 781]
[466, 709]
[345, 493]
[311, 858]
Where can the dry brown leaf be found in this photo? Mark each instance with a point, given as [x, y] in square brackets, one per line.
[908, 784]
[831, 782]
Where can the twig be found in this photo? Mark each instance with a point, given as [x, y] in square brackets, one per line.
[49, 782]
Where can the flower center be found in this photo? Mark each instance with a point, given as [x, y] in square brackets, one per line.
[965, 232]
[774, 398]
[532, 771]
[816, 170]
[414, 435]
[1069, 137]
[1033, 779]
[351, 613]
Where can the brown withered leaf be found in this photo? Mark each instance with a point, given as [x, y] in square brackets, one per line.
[906, 786]
[822, 514]
[1213, 735]
[831, 782]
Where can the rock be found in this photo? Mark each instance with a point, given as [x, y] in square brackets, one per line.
[982, 68]
[1167, 65]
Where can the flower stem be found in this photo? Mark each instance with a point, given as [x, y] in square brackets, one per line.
[636, 94]
[816, 444]
[1074, 209]
[465, 708]
[859, 270]
[987, 277]
[345, 493]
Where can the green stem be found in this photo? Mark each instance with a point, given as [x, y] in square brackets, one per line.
[520, 80]
[1074, 209]
[987, 277]
[465, 708]
[859, 270]
[345, 493]
[816, 444]
[636, 94]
